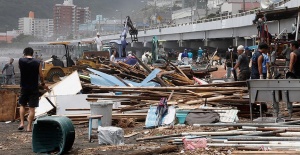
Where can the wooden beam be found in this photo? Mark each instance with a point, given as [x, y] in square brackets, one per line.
[159, 80]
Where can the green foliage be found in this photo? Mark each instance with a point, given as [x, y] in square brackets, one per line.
[24, 39]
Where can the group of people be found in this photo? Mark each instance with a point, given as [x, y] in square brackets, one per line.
[252, 65]
[257, 64]
[186, 57]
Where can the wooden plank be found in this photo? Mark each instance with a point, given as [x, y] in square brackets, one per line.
[8, 105]
[265, 152]
[181, 88]
[159, 80]
[130, 135]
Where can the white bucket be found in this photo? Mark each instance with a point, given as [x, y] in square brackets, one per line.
[103, 108]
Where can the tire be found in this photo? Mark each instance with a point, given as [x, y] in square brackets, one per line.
[53, 75]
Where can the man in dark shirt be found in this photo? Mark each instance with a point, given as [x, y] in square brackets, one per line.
[257, 61]
[294, 65]
[242, 64]
[31, 70]
[230, 62]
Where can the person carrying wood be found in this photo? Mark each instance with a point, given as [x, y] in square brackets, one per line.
[242, 64]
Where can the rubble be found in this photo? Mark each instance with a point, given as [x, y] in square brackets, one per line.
[137, 89]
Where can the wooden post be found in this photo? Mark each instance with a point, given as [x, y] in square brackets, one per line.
[298, 22]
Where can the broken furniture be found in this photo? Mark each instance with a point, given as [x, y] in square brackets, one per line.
[274, 90]
[52, 133]
[97, 117]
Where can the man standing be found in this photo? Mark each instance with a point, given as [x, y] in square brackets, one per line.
[98, 41]
[243, 64]
[145, 58]
[248, 53]
[294, 65]
[230, 62]
[200, 52]
[113, 56]
[257, 62]
[286, 52]
[266, 65]
[190, 56]
[31, 70]
[10, 72]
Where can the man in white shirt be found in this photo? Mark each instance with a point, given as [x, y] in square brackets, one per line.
[98, 41]
[145, 58]
[113, 56]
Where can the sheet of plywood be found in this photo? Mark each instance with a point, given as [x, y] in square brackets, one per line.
[68, 86]
[8, 105]
[77, 101]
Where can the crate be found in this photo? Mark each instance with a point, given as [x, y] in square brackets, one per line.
[8, 105]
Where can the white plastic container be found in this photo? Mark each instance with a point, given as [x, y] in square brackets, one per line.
[103, 108]
[110, 135]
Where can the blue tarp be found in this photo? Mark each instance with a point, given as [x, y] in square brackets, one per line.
[109, 80]
[253, 47]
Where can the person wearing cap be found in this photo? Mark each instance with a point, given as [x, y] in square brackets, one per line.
[98, 41]
[242, 64]
[184, 54]
[294, 65]
[248, 54]
[130, 60]
[230, 62]
[257, 61]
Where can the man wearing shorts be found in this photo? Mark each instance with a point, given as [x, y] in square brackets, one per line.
[31, 70]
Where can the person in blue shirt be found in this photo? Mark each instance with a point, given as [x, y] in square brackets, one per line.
[190, 56]
[184, 54]
[200, 52]
[130, 60]
[265, 65]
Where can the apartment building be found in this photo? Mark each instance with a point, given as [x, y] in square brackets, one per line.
[67, 17]
[43, 28]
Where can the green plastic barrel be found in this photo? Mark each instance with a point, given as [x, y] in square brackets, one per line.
[53, 134]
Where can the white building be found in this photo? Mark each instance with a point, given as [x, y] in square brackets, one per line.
[161, 3]
[43, 28]
[26, 25]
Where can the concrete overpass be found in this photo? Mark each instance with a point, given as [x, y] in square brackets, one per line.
[216, 32]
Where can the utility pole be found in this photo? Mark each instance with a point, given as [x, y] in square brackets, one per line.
[191, 13]
[244, 5]
[206, 8]
[6, 33]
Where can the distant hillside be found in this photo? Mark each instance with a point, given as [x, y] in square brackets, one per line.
[12, 10]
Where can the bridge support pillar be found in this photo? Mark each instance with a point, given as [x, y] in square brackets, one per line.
[171, 44]
[238, 41]
[206, 42]
[137, 44]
